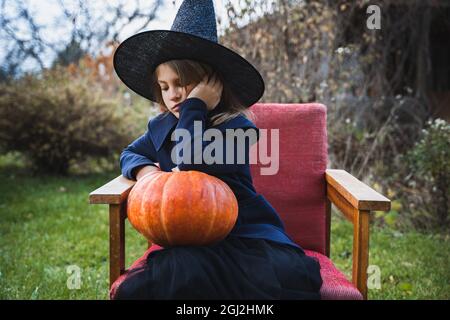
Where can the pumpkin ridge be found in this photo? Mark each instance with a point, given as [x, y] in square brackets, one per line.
[162, 212]
[192, 182]
[229, 223]
[161, 234]
[226, 188]
[135, 197]
[150, 185]
[213, 220]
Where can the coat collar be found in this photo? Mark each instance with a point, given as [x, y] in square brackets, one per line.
[162, 125]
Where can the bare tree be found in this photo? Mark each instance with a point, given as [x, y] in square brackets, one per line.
[89, 24]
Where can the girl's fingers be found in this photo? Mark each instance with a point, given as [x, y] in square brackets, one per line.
[216, 80]
[219, 85]
[205, 79]
[212, 79]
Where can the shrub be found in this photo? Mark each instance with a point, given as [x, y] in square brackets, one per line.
[56, 119]
[430, 162]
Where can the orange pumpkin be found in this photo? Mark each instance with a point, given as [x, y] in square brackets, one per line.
[182, 208]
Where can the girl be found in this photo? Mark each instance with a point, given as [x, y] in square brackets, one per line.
[257, 260]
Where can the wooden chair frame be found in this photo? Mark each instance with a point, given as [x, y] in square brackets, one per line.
[352, 197]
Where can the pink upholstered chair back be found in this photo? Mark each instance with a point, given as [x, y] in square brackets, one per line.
[297, 191]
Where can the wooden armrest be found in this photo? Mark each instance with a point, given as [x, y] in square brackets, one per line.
[355, 200]
[114, 192]
[357, 193]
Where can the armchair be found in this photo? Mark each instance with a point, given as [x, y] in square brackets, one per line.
[302, 191]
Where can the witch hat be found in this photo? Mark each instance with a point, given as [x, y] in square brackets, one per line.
[193, 35]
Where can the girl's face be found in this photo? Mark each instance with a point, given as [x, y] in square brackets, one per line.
[172, 92]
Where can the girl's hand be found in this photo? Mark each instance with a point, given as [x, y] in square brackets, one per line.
[144, 170]
[208, 91]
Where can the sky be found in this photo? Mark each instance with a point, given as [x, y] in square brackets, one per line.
[46, 13]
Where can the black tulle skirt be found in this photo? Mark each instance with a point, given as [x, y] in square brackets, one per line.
[235, 268]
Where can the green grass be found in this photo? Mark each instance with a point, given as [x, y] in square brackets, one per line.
[411, 265]
[47, 225]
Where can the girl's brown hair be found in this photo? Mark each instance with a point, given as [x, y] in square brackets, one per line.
[192, 72]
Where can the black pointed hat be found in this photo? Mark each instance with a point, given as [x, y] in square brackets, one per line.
[193, 35]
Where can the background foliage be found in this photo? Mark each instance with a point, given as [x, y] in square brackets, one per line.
[380, 86]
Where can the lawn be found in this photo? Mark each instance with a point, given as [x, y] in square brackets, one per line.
[47, 226]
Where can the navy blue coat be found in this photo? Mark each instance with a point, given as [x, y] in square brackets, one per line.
[256, 217]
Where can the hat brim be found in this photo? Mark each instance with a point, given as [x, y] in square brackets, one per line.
[137, 57]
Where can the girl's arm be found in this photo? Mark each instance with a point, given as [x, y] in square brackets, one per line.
[194, 109]
[136, 158]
